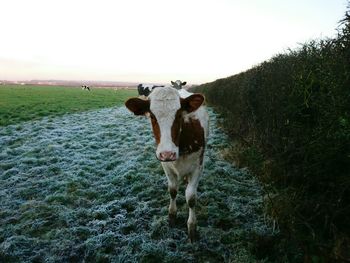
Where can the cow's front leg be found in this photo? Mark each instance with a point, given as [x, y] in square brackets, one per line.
[191, 196]
[173, 187]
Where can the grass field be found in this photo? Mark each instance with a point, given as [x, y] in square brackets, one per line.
[24, 103]
[86, 187]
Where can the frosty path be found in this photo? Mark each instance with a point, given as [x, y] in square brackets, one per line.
[87, 187]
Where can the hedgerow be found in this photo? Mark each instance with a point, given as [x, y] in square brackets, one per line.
[290, 118]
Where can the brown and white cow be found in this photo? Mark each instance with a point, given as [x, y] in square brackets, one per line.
[180, 127]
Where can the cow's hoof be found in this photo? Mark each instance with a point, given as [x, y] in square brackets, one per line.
[192, 235]
[172, 220]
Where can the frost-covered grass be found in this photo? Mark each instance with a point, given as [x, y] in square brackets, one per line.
[87, 188]
[23, 103]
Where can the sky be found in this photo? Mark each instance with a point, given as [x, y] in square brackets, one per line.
[154, 41]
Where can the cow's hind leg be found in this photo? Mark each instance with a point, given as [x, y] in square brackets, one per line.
[191, 196]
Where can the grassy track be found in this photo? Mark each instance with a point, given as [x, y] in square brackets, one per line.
[86, 187]
[24, 103]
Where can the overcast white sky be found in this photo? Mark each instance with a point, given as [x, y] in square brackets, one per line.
[154, 40]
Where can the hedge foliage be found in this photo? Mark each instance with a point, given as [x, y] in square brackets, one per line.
[290, 118]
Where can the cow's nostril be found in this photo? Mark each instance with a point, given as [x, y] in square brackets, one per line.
[167, 156]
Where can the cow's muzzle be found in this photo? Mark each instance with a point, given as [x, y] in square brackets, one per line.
[167, 156]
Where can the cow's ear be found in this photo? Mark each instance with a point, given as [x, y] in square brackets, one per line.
[173, 83]
[192, 102]
[137, 106]
[183, 83]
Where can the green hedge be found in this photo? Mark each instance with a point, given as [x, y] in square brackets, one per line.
[290, 117]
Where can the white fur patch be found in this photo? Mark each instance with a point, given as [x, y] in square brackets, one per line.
[184, 93]
[165, 102]
[185, 165]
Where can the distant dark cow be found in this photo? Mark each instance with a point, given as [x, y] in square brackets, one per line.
[178, 84]
[84, 87]
[145, 89]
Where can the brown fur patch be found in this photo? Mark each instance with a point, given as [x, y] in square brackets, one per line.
[192, 102]
[173, 193]
[155, 128]
[138, 106]
[192, 201]
[191, 137]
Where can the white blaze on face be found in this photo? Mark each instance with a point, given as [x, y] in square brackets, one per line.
[165, 102]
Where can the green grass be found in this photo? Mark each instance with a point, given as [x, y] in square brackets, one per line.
[24, 103]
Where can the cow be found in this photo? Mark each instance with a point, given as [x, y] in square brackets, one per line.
[178, 84]
[180, 126]
[84, 87]
[145, 89]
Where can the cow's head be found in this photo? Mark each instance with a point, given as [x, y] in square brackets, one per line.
[178, 84]
[165, 108]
